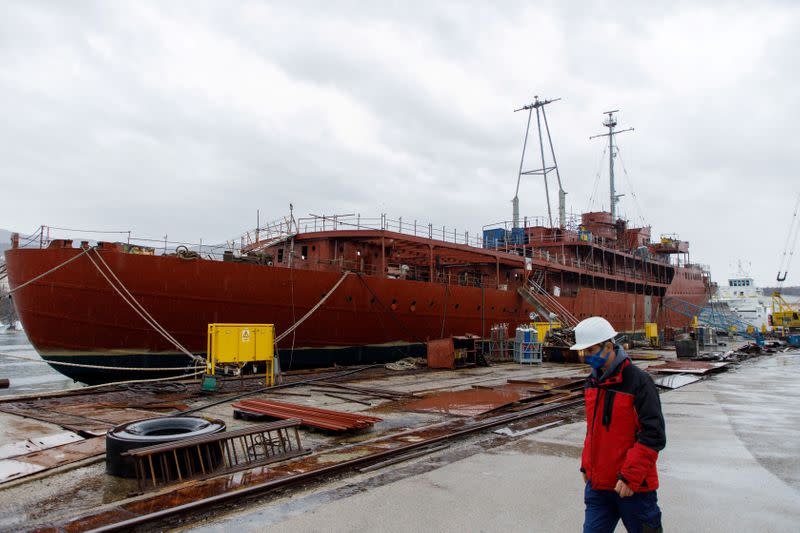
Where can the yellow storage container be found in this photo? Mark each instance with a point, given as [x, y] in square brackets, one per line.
[240, 344]
[650, 330]
[543, 327]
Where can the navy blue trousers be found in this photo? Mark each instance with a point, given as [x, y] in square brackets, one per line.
[604, 508]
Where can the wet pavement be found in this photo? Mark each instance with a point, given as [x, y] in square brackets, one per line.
[731, 464]
[27, 376]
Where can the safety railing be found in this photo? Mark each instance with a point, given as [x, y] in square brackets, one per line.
[286, 227]
[317, 223]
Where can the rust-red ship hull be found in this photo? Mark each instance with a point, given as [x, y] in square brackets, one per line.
[74, 315]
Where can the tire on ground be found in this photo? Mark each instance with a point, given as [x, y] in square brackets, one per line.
[150, 431]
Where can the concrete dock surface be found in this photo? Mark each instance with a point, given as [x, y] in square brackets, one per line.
[732, 463]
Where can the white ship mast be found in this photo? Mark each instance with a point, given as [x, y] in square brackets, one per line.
[610, 122]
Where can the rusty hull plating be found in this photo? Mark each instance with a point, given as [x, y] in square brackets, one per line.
[407, 288]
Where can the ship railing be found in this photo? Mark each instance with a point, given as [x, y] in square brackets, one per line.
[267, 234]
[317, 223]
[600, 242]
[554, 257]
[43, 236]
[573, 222]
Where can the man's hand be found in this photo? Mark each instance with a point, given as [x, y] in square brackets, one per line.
[622, 489]
[585, 479]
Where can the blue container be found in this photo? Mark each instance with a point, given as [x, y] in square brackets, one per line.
[518, 236]
[793, 340]
[492, 238]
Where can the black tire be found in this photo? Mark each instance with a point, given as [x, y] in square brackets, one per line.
[149, 431]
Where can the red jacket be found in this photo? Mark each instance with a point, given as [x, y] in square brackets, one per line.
[625, 429]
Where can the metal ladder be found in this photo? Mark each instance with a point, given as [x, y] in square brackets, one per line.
[217, 453]
[536, 294]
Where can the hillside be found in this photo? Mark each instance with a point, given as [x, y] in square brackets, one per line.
[5, 241]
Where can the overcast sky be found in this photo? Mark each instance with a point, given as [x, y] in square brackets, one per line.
[184, 118]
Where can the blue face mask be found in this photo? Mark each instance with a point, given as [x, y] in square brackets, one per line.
[595, 360]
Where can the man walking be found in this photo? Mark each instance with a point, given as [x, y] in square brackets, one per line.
[624, 433]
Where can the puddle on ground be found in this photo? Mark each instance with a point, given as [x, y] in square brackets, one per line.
[470, 402]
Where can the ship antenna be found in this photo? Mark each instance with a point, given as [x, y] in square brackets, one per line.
[610, 122]
[538, 105]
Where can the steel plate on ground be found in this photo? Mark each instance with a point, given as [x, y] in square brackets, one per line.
[675, 381]
[689, 367]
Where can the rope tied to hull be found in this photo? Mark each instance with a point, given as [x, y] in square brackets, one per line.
[120, 288]
[139, 308]
[40, 276]
[96, 367]
[312, 310]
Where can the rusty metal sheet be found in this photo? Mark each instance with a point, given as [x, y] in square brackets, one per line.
[568, 383]
[67, 453]
[522, 388]
[34, 444]
[441, 353]
[310, 416]
[689, 367]
[108, 415]
[13, 469]
[95, 413]
[39, 461]
[471, 402]
[66, 421]
[645, 356]
[675, 381]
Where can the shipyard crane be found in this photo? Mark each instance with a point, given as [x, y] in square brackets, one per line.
[784, 315]
[541, 116]
[611, 122]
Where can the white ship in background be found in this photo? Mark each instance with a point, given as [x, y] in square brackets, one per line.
[744, 299]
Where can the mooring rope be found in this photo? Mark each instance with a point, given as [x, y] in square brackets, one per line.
[98, 367]
[150, 380]
[40, 276]
[311, 311]
[129, 299]
[136, 306]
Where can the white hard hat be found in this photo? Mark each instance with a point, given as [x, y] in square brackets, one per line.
[591, 331]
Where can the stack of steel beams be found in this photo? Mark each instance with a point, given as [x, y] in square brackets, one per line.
[310, 416]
